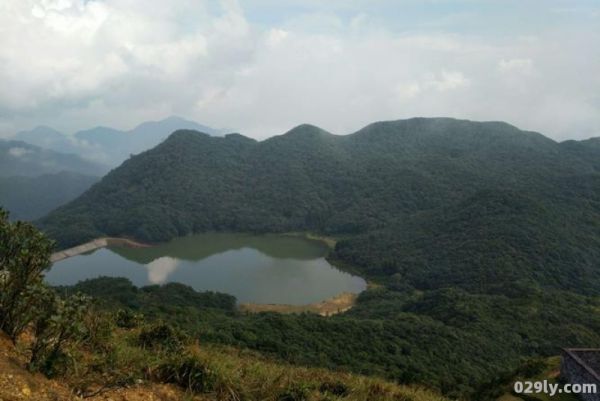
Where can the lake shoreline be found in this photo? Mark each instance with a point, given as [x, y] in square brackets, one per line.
[339, 303]
[328, 307]
[95, 244]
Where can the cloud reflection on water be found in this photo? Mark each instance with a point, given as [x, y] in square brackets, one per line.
[160, 269]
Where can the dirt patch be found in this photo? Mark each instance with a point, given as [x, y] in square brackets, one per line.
[332, 306]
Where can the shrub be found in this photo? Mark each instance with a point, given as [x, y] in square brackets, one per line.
[161, 337]
[338, 388]
[187, 372]
[296, 392]
[99, 328]
[58, 323]
[126, 319]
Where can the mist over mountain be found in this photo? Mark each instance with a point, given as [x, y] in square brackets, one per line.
[107, 145]
[113, 146]
[34, 180]
[48, 138]
[18, 158]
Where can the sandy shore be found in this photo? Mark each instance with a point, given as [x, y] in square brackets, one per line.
[93, 245]
[332, 306]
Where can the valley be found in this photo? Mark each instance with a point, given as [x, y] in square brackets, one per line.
[227, 200]
[477, 235]
[479, 242]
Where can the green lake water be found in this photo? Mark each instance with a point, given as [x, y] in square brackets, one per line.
[254, 268]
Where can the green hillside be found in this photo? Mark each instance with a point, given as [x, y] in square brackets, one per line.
[486, 240]
[29, 198]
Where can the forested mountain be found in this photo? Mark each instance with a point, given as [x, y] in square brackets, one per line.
[29, 198]
[485, 238]
[23, 159]
[426, 193]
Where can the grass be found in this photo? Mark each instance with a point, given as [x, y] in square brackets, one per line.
[229, 374]
[253, 377]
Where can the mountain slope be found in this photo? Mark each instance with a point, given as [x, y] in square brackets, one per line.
[29, 198]
[20, 158]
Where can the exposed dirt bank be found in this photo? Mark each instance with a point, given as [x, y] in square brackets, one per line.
[93, 245]
[332, 306]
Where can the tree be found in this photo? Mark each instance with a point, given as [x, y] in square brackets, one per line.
[24, 256]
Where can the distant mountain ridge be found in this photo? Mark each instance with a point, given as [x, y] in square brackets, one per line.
[18, 158]
[47, 138]
[107, 145]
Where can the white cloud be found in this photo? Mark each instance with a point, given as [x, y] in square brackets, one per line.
[74, 64]
[18, 152]
[276, 36]
[516, 65]
[448, 80]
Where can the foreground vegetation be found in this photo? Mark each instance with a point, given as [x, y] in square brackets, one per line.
[95, 347]
[453, 341]
[485, 240]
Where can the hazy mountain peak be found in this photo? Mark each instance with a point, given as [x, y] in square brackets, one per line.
[46, 137]
[41, 129]
[239, 137]
[185, 134]
[171, 124]
[109, 145]
[306, 130]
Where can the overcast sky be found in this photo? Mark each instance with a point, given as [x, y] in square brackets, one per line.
[261, 67]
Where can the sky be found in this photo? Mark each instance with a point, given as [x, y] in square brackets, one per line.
[261, 67]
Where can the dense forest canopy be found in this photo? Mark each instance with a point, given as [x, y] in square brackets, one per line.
[485, 238]
[437, 201]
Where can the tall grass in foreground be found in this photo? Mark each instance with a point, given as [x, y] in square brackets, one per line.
[225, 373]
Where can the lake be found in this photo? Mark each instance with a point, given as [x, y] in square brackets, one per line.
[275, 269]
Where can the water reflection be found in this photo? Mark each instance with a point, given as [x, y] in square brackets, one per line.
[159, 269]
[259, 269]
